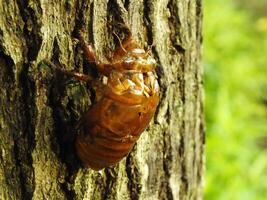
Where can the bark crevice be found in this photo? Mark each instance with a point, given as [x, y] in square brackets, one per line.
[133, 176]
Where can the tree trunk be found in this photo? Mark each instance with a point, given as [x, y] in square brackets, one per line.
[39, 107]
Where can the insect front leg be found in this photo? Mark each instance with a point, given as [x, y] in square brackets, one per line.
[89, 53]
[88, 50]
[76, 75]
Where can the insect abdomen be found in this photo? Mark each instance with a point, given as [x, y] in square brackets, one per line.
[110, 130]
[99, 154]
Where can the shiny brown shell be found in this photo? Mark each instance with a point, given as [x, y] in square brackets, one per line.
[126, 100]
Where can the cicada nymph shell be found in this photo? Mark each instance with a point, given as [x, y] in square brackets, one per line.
[125, 104]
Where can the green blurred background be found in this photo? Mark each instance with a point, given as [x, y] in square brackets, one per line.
[235, 65]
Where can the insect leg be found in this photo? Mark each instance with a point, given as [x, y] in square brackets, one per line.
[76, 75]
[88, 50]
[89, 53]
[121, 46]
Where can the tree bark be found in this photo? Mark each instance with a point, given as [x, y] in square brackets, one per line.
[39, 107]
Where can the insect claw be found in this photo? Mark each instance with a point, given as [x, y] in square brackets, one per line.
[76, 75]
[120, 42]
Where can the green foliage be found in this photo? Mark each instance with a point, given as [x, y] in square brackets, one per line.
[235, 63]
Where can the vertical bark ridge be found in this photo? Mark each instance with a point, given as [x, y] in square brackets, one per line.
[200, 130]
[53, 26]
[160, 10]
[15, 171]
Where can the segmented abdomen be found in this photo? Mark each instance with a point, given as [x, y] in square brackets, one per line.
[110, 129]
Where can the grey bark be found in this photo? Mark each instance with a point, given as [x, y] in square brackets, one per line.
[39, 107]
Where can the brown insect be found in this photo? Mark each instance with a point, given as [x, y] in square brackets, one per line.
[126, 100]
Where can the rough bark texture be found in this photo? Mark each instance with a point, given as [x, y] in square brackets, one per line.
[39, 107]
